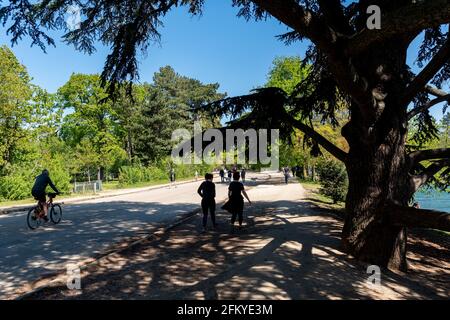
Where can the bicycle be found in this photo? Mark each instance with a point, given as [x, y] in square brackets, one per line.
[36, 214]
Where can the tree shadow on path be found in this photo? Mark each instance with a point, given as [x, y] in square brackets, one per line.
[288, 250]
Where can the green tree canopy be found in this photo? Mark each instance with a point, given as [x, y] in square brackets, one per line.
[15, 107]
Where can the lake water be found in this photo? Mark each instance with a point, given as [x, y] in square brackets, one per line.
[436, 200]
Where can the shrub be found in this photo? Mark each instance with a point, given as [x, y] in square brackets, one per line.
[333, 179]
[129, 175]
[16, 181]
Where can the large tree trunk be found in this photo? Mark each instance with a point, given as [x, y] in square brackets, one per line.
[368, 233]
[377, 166]
[378, 175]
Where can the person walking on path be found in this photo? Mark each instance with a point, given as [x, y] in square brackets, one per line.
[286, 174]
[243, 175]
[196, 175]
[235, 203]
[222, 175]
[230, 174]
[172, 177]
[207, 191]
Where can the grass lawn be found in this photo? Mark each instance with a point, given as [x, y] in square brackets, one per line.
[321, 200]
[114, 185]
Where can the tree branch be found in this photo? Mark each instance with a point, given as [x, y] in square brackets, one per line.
[303, 21]
[427, 73]
[435, 91]
[420, 179]
[427, 106]
[324, 142]
[315, 28]
[334, 15]
[430, 154]
[419, 218]
[423, 14]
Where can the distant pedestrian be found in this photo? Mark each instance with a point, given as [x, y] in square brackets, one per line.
[286, 174]
[230, 174]
[293, 171]
[172, 177]
[207, 191]
[222, 175]
[235, 203]
[243, 175]
[196, 175]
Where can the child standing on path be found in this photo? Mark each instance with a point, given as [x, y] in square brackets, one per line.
[207, 191]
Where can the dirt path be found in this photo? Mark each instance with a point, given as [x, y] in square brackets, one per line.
[289, 249]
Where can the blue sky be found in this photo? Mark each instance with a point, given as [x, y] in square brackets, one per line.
[215, 47]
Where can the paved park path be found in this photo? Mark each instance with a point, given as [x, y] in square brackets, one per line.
[88, 228]
[289, 249]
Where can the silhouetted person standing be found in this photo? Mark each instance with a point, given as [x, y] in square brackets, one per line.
[207, 191]
[172, 177]
[230, 174]
[222, 175]
[286, 174]
[235, 203]
[243, 175]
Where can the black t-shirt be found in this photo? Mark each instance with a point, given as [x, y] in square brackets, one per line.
[235, 189]
[207, 190]
[41, 183]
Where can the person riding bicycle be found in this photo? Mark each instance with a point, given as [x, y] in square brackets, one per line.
[38, 191]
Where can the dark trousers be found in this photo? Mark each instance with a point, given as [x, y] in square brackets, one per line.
[209, 204]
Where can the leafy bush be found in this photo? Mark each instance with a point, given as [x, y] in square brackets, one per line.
[129, 175]
[333, 179]
[17, 184]
[16, 181]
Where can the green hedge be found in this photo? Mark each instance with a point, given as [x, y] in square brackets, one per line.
[129, 175]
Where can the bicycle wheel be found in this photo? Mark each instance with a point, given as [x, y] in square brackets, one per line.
[33, 221]
[56, 213]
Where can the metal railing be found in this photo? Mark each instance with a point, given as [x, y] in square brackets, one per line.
[83, 187]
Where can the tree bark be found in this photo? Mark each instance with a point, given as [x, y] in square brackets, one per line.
[418, 218]
[377, 164]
